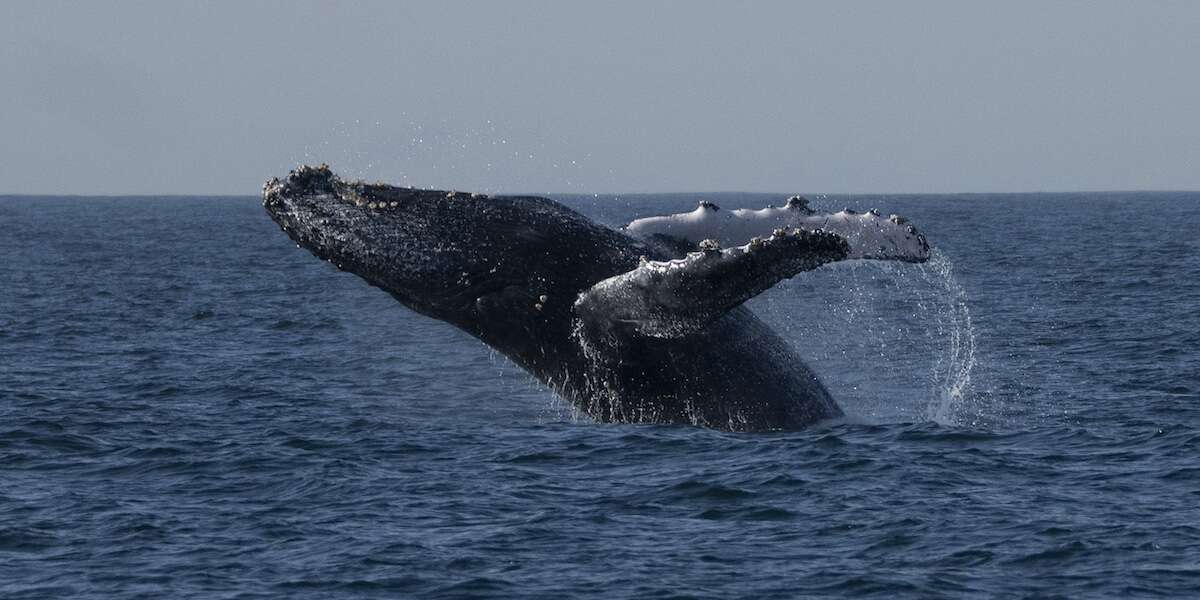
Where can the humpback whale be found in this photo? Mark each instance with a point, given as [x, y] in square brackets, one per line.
[640, 325]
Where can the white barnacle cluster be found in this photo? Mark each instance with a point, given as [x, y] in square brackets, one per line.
[353, 195]
[869, 234]
[381, 205]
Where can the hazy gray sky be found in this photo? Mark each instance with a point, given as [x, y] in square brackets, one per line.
[214, 97]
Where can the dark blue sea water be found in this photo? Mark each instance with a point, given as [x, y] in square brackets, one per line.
[192, 407]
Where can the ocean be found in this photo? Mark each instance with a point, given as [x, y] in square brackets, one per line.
[191, 407]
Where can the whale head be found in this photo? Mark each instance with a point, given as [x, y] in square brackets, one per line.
[450, 255]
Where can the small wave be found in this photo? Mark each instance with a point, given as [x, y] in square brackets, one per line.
[25, 540]
[1053, 555]
[748, 513]
[534, 457]
[693, 489]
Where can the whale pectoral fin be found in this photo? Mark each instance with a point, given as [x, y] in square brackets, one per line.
[674, 246]
[870, 234]
[678, 297]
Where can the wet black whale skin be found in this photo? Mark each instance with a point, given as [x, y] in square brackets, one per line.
[509, 270]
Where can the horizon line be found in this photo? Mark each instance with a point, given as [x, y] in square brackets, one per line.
[619, 194]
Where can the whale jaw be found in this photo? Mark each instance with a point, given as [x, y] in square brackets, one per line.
[398, 239]
[452, 255]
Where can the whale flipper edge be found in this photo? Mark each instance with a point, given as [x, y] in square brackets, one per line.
[675, 298]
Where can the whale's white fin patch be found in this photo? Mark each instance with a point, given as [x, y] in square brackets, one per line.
[869, 234]
[677, 297]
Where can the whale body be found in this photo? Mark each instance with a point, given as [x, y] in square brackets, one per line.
[644, 325]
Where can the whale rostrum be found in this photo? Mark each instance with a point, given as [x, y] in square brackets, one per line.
[646, 324]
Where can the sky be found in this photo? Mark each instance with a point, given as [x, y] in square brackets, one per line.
[599, 97]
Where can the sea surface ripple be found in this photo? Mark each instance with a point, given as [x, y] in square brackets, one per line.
[192, 407]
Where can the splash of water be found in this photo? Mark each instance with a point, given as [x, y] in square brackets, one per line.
[894, 342]
[950, 377]
[908, 327]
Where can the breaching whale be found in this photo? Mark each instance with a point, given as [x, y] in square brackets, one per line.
[643, 325]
